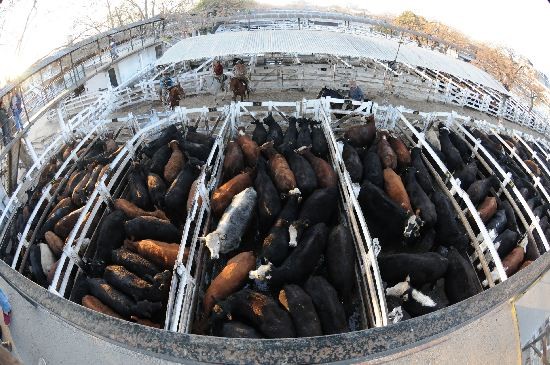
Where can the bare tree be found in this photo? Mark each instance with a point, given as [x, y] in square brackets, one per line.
[223, 7]
[531, 89]
[29, 15]
[117, 13]
[501, 63]
[411, 21]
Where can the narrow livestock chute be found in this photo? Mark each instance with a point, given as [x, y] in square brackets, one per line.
[129, 238]
[268, 231]
[52, 210]
[526, 221]
[489, 247]
[277, 251]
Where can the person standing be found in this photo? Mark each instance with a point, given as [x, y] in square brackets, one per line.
[6, 307]
[112, 49]
[16, 109]
[4, 329]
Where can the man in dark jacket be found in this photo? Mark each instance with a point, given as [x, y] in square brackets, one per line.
[355, 92]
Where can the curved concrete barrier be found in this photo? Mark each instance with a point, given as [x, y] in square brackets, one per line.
[48, 327]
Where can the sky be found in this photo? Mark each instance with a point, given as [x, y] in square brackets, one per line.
[51, 25]
[521, 25]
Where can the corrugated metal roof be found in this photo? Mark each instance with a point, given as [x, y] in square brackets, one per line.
[268, 15]
[306, 42]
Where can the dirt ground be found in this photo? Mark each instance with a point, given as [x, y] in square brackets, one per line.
[208, 100]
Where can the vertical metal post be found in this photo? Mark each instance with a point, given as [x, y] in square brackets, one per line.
[24, 105]
[544, 345]
[99, 51]
[62, 73]
[31, 150]
[72, 68]
[44, 95]
[62, 123]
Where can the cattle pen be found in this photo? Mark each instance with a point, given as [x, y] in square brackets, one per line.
[108, 134]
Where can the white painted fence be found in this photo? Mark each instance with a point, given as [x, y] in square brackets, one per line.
[374, 77]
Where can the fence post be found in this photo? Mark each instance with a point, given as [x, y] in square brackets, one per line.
[448, 95]
[31, 150]
[64, 127]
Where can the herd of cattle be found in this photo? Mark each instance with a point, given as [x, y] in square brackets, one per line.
[425, 249]
[56, 217]
[137, 244]
[281, 259]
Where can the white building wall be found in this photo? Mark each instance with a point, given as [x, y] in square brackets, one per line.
[128, 67]
[124, 70]
[98, 82]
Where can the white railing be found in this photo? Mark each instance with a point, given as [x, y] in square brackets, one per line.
[71, 106]
[100, 196]
[305, 75]
[468, 94]
[28, 181]
[365, 247]
[184, 281]
[473, 96]
[180, 309]
[185, 286]
[508, 188]
[414, 84]
[46, 196]
[83, 122]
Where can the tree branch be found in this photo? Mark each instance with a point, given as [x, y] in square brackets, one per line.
[20, 41]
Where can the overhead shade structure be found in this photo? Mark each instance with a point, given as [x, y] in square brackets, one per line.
[306, 42]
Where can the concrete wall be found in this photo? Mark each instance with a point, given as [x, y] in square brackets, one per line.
[479, 330]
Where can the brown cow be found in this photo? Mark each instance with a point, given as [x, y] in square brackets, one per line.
[386, 153]
[396, 190]
[229, 280]
[233, 163]
[401, 151]
[326, 176]
[513, 260]
[487, 209]
[250, 148]
[222, 196]
[361, 135]
[280, 171]
[174, 164]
